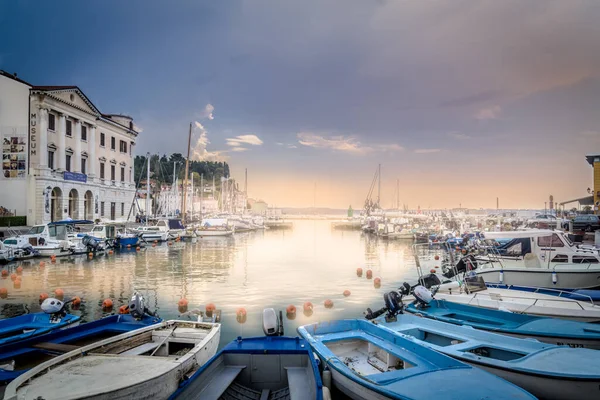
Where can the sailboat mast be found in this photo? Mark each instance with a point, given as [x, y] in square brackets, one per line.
[397, 194]
[201, 195]
[147, 187]
[185, 177]
[379, 186]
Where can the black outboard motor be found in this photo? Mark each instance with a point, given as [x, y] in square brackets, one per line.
[91, 242]
[393, 306]
[137, 307]
[464, 264]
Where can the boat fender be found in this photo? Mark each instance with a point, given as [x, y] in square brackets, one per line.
[327, 378]
[326, 393]
[501, 278]
[554, 277]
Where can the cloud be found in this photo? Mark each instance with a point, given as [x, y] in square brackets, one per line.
[244, 139]
[239, 149]
[488, 113]
[207, 112]
[199, 150]
[427, 151]
[459, 136]
[347, 144]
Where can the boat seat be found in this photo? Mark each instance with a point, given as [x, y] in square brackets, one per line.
[61, 348]
[298, 383]
[221, 382]
[139, 350]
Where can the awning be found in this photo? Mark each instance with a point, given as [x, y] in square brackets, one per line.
[584, 201]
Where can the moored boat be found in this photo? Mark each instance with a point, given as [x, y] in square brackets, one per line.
[368, 362]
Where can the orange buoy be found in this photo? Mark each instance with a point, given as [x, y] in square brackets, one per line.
[437, 266]
[210, 308]
[137, 248]
[358, 271]
[464, 251]
[43, 296]
[17, 283]
[457, 248]
[53, 259]
[241, 315]
[328, 303]
[110, 252]
[291, 309]
[42, 264]
[59, 294]
[153, 244]
[19, 270]
[13, 276]
[377, 282]
[169, 243]
[4, 273]
[432, 270]
[183, 302]
[76, 301]
[107, 304]
[436, 258]
[3, 292]
[346, 293]
[308, 308]
[124, 309]
[156, 241]
[369, 274]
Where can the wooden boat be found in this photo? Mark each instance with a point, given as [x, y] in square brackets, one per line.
[368, 362]
[548, 330]
[267, 367]
[18, 357]
[146, 363]
[28, 325]
[546, 371]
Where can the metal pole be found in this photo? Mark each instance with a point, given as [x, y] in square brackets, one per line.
[147, 187]
[201, 194]
[185, 177]
[379, 187]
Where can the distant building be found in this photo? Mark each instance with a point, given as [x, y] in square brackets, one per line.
[258, 207]
[61, 156]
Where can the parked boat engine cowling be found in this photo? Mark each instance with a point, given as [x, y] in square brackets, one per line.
[272, 325]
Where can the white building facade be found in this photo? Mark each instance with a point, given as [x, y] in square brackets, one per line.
[72, 161]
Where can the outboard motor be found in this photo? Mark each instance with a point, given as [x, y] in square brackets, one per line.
[272, 326]
[393, 305]
[55, 308]
[466, 263]
[137, 307]
[91, 242]
[422, 296]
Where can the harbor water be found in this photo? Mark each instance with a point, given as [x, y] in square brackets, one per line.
[271, 268]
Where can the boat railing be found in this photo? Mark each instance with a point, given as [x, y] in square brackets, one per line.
[499, 298]
[427, 251]
[555, 292]
[589, 265]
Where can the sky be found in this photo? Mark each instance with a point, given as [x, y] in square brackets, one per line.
[460, 101]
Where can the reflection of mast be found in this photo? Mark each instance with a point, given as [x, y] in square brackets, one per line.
[185, 176]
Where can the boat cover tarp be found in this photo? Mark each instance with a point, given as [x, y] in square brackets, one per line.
[175, 224]
[71, 222]
[515, 247]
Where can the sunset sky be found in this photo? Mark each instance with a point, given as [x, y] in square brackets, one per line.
[462, 101]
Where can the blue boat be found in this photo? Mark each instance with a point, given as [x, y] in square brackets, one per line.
[548, 330]
[369, 362]
[270, 367]
[28, 325]
[547, 371]
[17, 358]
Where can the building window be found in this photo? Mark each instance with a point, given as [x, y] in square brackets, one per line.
[122, 209]
[51, 159]
[123, 146]
[51, 122]
[129, 174]
[68, 162]
[83, 162]
[69, 128]
[84, 133]
[112, 172]
[102, 139]
[101, 170]
[122, 174]
[113, 143]
[102, 209]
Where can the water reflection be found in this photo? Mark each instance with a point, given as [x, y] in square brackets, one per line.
[274, 268]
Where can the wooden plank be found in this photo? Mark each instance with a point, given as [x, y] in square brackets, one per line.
[61, 348]
[136, 351]
[125, 344]
[298, 382]
[221, 382]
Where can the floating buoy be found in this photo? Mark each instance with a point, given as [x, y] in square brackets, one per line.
[437, 266]
[42, 264]
[17, 283]
[377, 282]
[308, 308]
[183, 302]
[19, 270]
[156, 241]
[107, 304]
[432, 271]
[53, 259]
[4, 273]
[137, 248]
[169, 243]
[128, 246]
[291, 309]
[457, 248]
[369, 274]
[3, 292]
[90, 255]
[359, 271]
[76, 301]
[110, 252]
[464, 251]
[436, 258]
[124, 309]
[240, 315]
[346, 293]
[154, 244]
[59, 294]
[328, 303]
[13, 276]
[43, 296]
[210, 308]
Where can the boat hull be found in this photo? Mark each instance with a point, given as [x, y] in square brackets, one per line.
[574, 278]
[215, 233]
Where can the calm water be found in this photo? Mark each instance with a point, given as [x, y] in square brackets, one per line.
[274, 268]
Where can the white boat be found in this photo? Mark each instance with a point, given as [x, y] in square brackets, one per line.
[394, 231]
[213, 227]
[152, 233]
[14, 250]
[146, 363]
[539, 258]
[47, 239]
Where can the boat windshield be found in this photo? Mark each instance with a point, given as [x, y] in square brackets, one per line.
[569, 242]
[36, 230]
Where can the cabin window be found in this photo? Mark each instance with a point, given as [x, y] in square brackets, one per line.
[584, 260]
[550, 241]
[36, 230]
[561, 258]
[98, 229]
